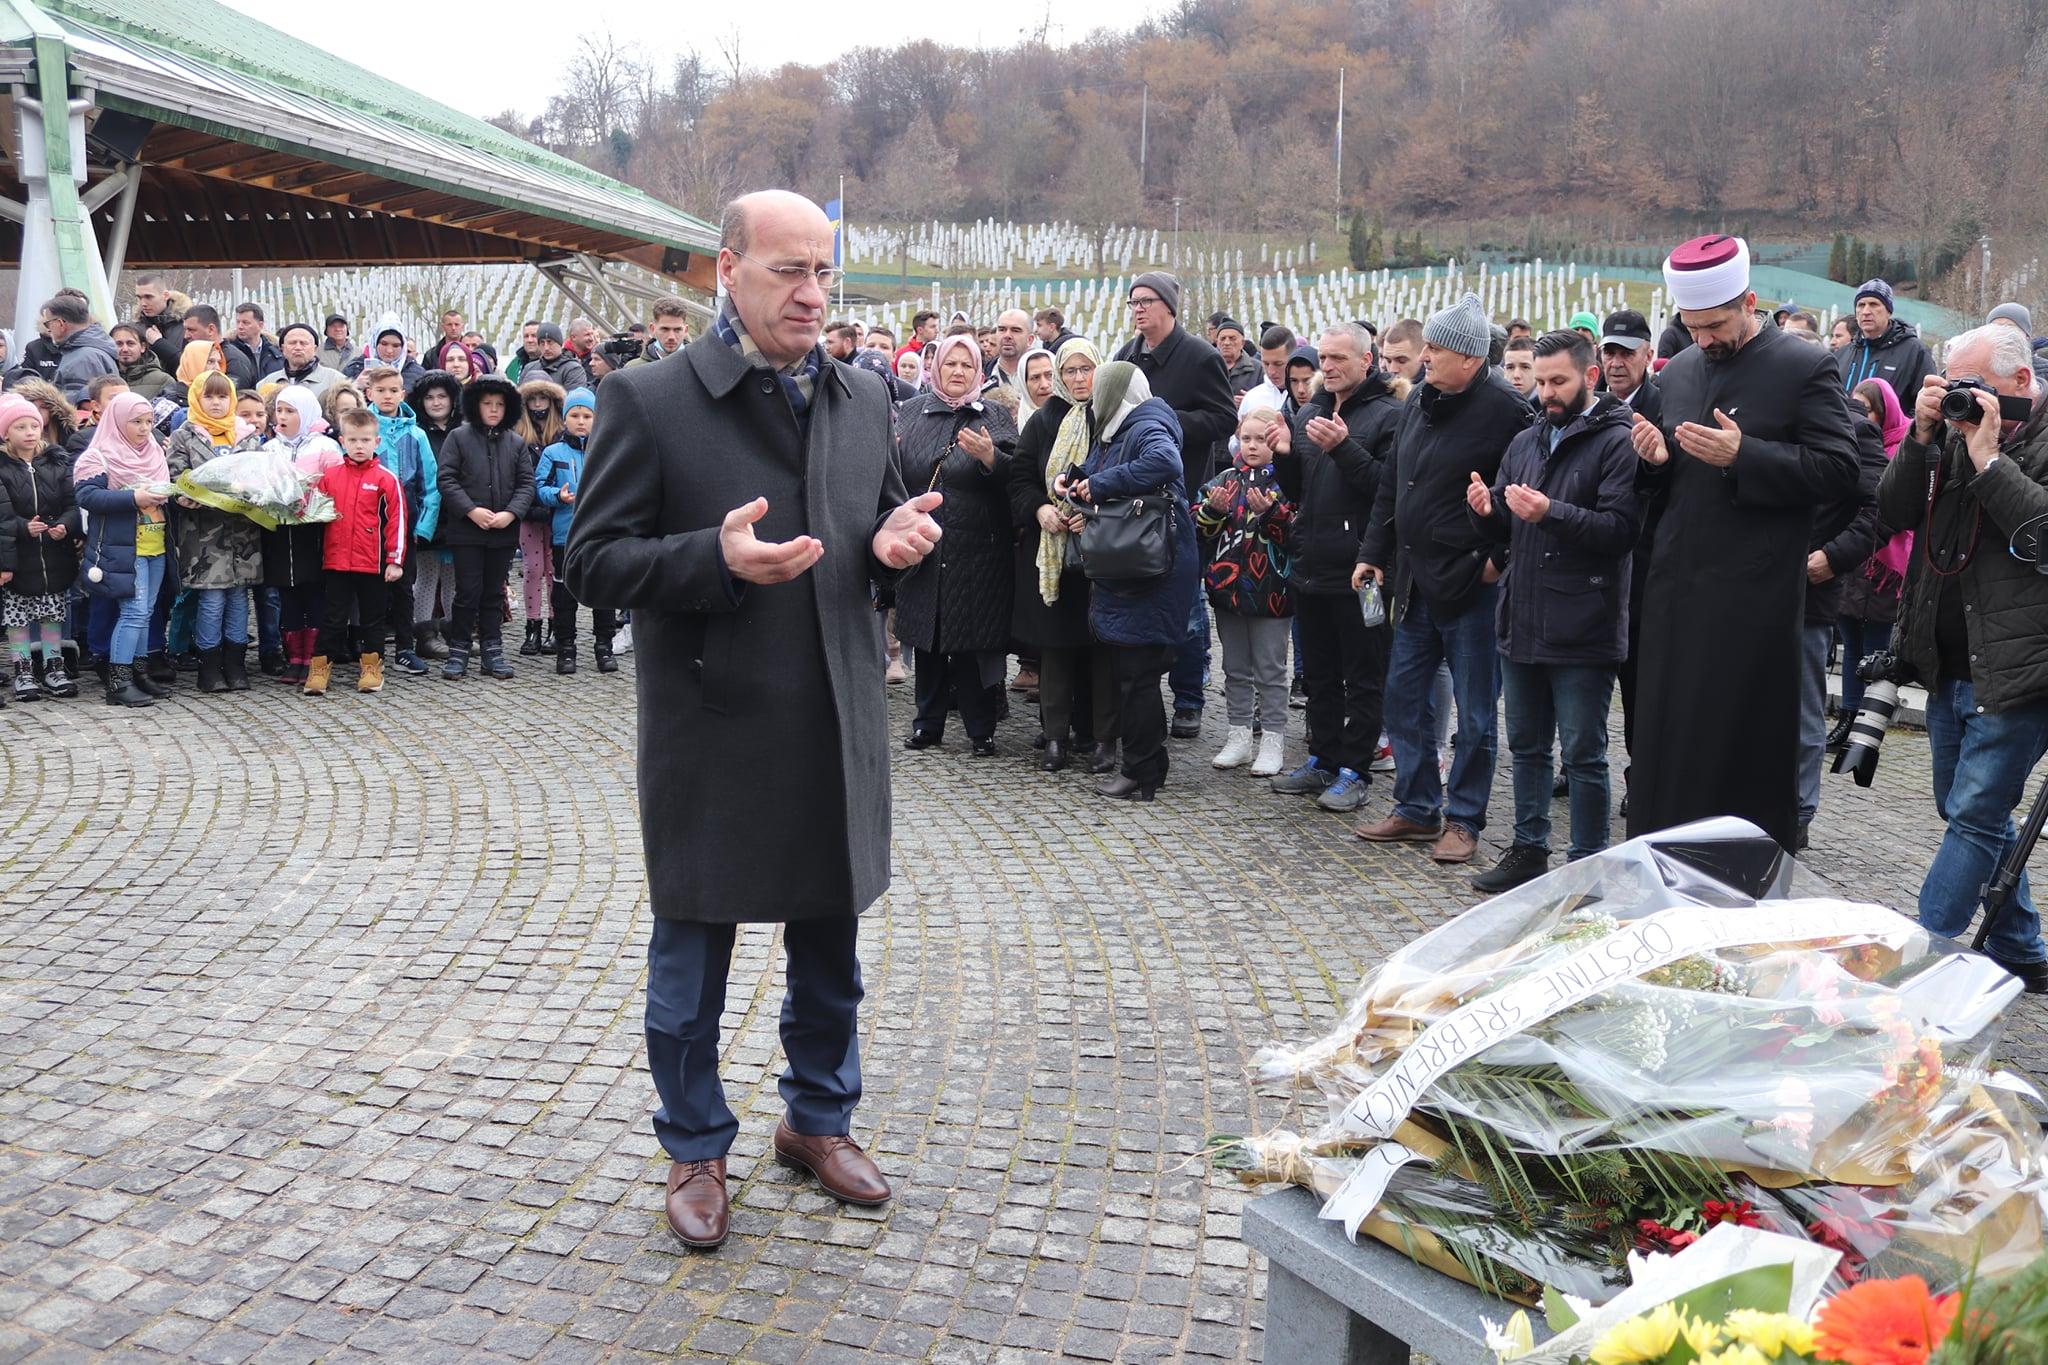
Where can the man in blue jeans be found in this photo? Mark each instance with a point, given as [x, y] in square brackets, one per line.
[1445, 578]
[1564, 508]
[1973, 624]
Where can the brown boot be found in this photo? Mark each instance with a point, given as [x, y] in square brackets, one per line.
[318, 671]
[698, 1213]
[1457, 845]
[372, 676]
[839, 1165]
[1395, 830]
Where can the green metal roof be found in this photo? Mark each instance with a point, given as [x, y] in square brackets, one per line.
[202, 64]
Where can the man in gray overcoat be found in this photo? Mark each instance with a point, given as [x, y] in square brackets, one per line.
[740, 500]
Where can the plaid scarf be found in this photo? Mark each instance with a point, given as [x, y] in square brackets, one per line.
[799, 378]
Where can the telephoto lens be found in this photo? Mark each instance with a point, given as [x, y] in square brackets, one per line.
[1866, 732]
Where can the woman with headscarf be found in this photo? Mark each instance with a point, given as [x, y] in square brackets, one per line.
[1035, 383]
[1049, 604]
[908, 363]
[220, 554]
[458, 360]
[293, 556]
[1141, 623]
[1870, 592]
[121, 481]
[955, 610]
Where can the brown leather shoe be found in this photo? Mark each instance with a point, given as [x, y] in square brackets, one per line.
[698, 1213]
[846, 1172]
[1396, 830]
[1457, 845]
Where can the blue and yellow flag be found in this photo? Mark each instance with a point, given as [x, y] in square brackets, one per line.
[834, 212]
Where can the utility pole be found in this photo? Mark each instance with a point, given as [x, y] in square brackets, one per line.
[1144, 126]
[1340, 147]
[1176, 232]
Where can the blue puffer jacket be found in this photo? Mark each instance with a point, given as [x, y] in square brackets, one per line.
[561, 466]
[110, 540]
[404, 449]
[1144, 457]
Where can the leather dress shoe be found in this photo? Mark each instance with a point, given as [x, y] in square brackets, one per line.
[1122, 788]
[836, 1162]
[1055, 756]
[698, 1213]
[1396, 830]
[1105, 760]
[921, 739]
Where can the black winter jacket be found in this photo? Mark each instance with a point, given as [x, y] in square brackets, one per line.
[958, 600]
[1898, 357]
[1847, 531]
[1057, 625]
[1186, 373]
[1333, 493]
[487, 467]
[2005, 601]
[40, 487]
[1564, 599]
[1420, 532]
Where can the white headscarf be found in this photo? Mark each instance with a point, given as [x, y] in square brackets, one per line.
[1025, 407]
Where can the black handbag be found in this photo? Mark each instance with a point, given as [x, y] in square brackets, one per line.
[1128, 539]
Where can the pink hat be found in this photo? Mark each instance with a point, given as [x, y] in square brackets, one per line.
[13, 407]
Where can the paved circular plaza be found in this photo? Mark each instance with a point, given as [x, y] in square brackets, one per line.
[320, 1038]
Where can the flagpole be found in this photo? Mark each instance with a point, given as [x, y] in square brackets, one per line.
[842, 247]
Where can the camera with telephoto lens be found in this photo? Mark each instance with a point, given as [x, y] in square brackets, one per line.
[1880, 674]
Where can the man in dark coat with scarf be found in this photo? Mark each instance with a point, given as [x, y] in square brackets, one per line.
[740, 500]
[1754, 438]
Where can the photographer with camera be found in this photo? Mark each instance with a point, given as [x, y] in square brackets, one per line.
[1972, 478]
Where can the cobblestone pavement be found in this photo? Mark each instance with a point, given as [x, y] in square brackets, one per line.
[320, 1040]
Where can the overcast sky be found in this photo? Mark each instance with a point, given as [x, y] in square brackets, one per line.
[484, 59]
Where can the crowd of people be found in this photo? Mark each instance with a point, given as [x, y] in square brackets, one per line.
[1416, 530]
[442, 464]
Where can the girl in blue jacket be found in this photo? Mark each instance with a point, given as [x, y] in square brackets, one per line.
[556, 480]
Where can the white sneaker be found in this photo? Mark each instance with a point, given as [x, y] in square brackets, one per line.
[1272, 749]
[622, 643]
[1237, 748]
[1383, 759]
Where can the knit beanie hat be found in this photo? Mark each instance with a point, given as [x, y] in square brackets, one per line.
[2015, 313]
[1462, 327]
[1584, 322]
[1876, 289]
[579, 398]
[1164, 285]
[13, 407]
[549, 331]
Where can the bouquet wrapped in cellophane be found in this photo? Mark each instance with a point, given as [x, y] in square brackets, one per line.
[262, 485]
[1658, 1038]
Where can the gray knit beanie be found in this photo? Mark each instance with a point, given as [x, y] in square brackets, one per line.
[1462, 327]
[1164, 285]
[2014, 313]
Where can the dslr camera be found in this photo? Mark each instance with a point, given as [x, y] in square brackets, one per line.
[1959, 405]
[1881, 678]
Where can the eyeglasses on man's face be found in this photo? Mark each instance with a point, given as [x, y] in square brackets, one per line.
[1143, 300]
[825, 275]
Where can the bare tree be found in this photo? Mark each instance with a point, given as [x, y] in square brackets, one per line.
[919, 179]
[1100, 185]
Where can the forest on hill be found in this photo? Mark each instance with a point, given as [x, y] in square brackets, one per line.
[1918, 121]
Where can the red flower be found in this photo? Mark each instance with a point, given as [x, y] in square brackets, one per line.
[1652, 1235]
[1883, 1322]
[1738, 1212]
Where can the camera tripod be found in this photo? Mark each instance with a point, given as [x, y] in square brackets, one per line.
[2005, 879]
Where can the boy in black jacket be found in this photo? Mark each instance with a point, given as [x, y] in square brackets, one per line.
[486, 487]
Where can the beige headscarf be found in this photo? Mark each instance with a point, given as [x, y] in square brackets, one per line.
[1069, 448]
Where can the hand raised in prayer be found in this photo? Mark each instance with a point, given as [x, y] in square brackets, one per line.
[1648, 441]
[1477, 496]
[1526, 503]
[1278, 438]
[1257, 501]
[1715, 445]
[752, 560]
[1217, 499]
[1327, 432]
[980, 445]
[909, 534]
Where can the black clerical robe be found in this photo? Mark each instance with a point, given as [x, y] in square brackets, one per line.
[1718, 664]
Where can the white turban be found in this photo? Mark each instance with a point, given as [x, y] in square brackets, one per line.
[1707, 272]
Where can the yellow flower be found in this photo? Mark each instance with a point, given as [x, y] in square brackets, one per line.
[1701, 1335]
[1736, 1355]
[1771, 1333]
[1643, 1340]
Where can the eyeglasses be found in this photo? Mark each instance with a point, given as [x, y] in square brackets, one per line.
[1146, 302]
[1076, 371]
[826, 276]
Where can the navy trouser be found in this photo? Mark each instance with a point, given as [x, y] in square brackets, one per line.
[687, 965]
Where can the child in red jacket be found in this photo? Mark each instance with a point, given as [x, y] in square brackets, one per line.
[364, 550]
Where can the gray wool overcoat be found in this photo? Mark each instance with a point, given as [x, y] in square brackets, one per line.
[763, 746]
